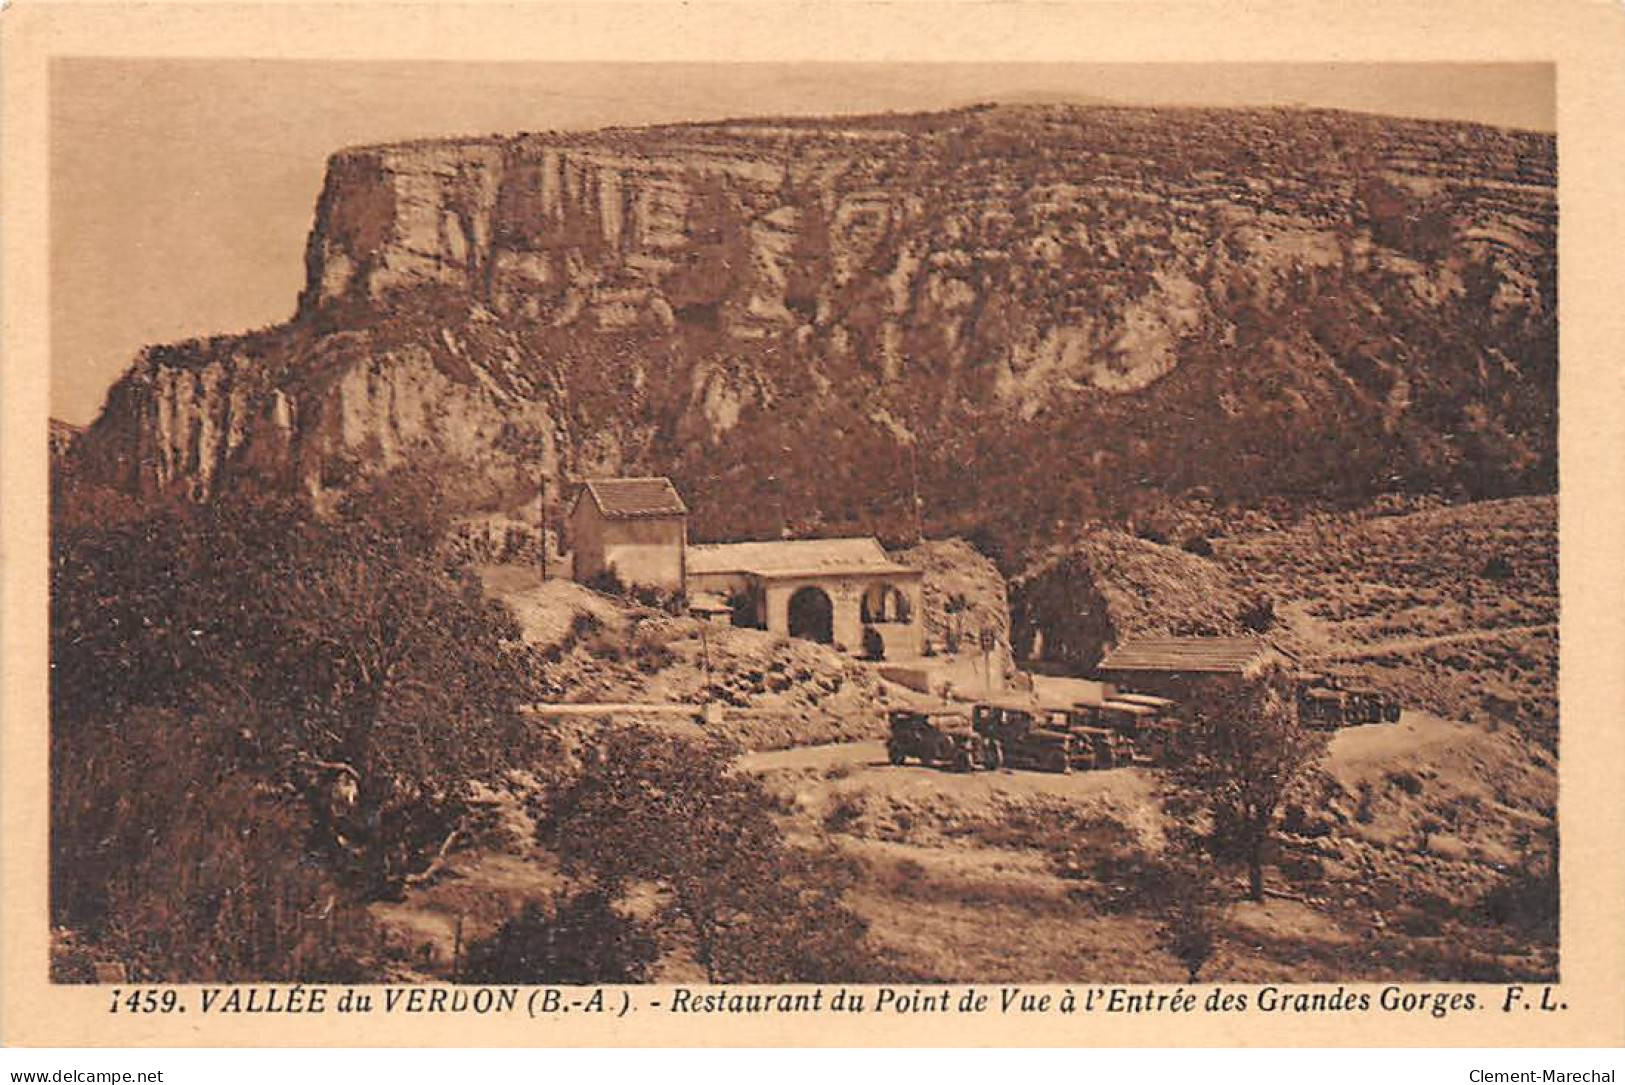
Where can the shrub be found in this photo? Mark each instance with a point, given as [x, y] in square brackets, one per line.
[607, 582]
[583, 625]
[660, 809]
[1259, 615]
[843, 815]
[650, 654]
[657, 598]
[1527, 899]
[1408, 782]
[580, 939]
[1191, 915]
[169, 858]
[230, 895]
[335, 643]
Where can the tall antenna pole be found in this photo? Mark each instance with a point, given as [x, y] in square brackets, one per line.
[541, 513]
[914, 489]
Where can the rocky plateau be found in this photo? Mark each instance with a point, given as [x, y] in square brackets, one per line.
[1028, 315]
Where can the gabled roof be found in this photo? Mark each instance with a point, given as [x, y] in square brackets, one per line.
[626, 498]
[794, 557]
[1207, 655]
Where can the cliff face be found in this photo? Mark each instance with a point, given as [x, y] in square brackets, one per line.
[312, 409]
[739, 300]
[1054, 249]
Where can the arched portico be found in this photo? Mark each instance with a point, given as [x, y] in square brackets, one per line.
[811, 614]
[884, 602]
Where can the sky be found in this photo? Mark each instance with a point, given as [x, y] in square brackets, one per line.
[182, 191]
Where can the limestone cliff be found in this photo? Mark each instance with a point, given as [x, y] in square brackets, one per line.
[803, 319]
[307, 408]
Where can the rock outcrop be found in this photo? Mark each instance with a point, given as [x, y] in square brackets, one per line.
[962, 594]
[1080, 600]
[807, 312]
[313, 409]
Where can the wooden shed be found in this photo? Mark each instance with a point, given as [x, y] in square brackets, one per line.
[1176, 667]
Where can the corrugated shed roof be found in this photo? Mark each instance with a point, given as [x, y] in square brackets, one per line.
[1209, 655]
[630, 497]
[794, 557]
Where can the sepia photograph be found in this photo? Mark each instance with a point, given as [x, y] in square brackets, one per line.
[868, 525]
[750, 523]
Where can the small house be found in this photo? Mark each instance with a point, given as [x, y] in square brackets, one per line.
[635, 528]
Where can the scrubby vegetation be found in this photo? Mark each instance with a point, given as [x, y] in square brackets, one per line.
[1415, 851]
[579, 939]
[291, 709]
[748, 906]
[267, 725]
[1452, 607]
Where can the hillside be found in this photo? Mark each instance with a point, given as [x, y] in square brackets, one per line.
[816, 315]
[1408, 865]
[1453, 608]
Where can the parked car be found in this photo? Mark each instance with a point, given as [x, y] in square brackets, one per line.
[1154, 732]
[941, 739]
[1093, 746]
[1023, 739]
[1329, 701]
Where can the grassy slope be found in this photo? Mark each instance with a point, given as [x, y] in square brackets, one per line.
[1454, 608]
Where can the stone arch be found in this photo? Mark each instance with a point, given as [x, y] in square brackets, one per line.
[812, 615]
[884, 602]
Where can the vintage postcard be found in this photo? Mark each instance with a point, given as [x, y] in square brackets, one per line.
[704, 524]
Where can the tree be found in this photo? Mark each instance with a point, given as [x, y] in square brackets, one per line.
[662, 810]
[336, 646]
[1192, 909]
[173, 857]
[1249, 749]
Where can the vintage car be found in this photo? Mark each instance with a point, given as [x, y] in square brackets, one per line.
[942, 739]
[1023, 738]
[1152, 733]
[1093, 746]
[1329, 701]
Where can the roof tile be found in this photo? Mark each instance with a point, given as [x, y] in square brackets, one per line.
[620, 498]
[1217, 655]
[794, 557]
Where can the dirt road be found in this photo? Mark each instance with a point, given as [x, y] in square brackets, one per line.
[851, 766]
[1415, 644]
